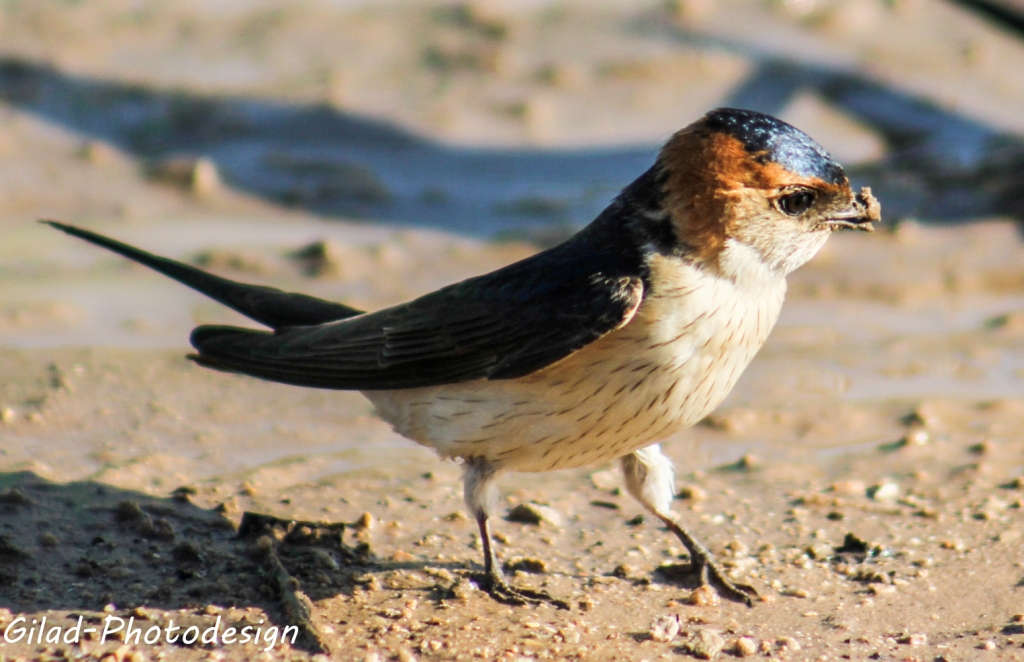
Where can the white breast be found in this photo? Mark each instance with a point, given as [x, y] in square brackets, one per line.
[664, 371]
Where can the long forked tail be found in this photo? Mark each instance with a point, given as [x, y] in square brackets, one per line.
[265, 305]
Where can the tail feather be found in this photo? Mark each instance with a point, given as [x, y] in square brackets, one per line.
[265, 305]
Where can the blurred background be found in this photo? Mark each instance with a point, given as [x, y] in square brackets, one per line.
[368, 151]
[371, 151]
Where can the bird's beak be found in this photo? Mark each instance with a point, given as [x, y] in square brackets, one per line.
[864, 211]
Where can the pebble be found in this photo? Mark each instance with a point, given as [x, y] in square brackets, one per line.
[527, 564]
[664, 628]
[749, 462]
[915, 640]
[198, 175]
[887, 491]
[744, 647]
[704, 596]
[693, 493]
[706, 644]
[48, 540]
[848, 487]
[916, 437]
[534, 513]
[820, 551]
[365, 522]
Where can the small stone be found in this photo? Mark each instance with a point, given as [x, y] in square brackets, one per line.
[183, 493]
[402, 556]
[704, 596]
[527, 564]
[788, 644]
[15, 497]
[744, 647]
[48, 540]
[801, 593]
[848, 487]
[205, 177]
[916, 437]
[915, 640]
[463, 589]
[887, 491]
[749, 462]
[820, 551]
[369, 582]
[534, 513]
[199, 175]
[988, 646]
[706, 644]
[664, 628]
[981, 448]
[693, 493]
[129, 511]
[365, 522]
[586, 603]
[624, 571]
[109, 608]
[247, 489]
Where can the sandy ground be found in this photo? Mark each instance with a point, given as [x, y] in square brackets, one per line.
[865, 475]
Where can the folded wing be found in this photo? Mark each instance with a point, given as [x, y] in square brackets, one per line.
[501, 325]
[491, 327]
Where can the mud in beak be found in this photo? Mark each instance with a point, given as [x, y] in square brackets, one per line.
[864, 211]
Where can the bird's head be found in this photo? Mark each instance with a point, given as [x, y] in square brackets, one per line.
[739, 185]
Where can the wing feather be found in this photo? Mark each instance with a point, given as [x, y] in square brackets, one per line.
[502, 325]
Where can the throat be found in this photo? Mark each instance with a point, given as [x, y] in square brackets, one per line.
[747, 267]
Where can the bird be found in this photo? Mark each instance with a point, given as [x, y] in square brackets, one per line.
[594, 350]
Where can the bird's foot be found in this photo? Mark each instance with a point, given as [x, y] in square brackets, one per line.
[503, 592]
[712, 575]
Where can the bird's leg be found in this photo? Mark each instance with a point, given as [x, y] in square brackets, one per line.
[479, 491]
[649, 478]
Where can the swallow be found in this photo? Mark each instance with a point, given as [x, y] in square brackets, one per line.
[594, 350]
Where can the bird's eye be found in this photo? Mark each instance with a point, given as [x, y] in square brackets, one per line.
[796, 203]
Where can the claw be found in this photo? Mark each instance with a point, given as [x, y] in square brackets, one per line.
[711, 574]
[503, 592]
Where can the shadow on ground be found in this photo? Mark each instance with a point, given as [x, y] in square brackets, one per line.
[941, 166]
[84, 545]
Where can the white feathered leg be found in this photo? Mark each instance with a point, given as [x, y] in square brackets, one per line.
[481, 495]
[650, 478]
